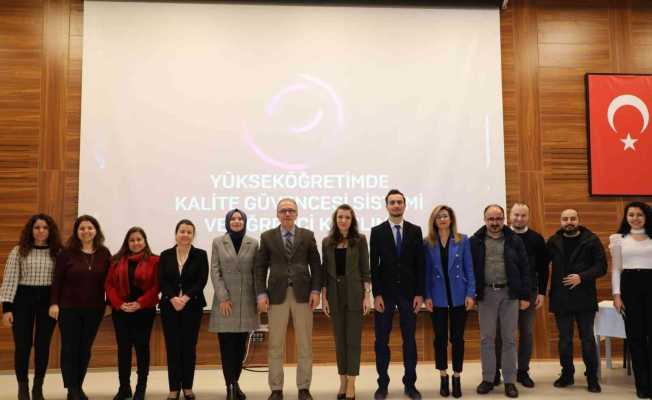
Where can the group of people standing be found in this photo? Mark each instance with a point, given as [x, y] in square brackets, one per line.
[503, 270]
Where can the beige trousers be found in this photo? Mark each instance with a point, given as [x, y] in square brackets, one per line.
[279, 316]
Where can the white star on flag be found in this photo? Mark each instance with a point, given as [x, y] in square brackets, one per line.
[629, 142]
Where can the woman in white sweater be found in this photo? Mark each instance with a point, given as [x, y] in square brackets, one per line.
[631, 252]
[25, 296]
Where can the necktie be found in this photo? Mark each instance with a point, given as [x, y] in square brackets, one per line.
[399, 239]
[288, 244]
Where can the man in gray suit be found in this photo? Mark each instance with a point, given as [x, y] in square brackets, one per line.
[290, 255]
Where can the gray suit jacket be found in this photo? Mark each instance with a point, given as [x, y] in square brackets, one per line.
[357, 272]
[303, 267]
[233, 279]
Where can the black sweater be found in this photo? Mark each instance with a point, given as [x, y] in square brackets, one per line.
[538, 259]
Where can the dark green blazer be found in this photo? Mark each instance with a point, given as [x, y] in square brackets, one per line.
[357, 273]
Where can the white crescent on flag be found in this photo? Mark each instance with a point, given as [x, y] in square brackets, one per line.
[628, 100]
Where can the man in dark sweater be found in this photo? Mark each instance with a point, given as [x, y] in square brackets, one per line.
[538, 261]
[578, 259]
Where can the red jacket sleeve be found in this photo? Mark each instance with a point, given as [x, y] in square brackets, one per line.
[149, 299]
[111, 287]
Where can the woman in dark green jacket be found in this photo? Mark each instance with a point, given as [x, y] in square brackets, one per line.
[346, 293]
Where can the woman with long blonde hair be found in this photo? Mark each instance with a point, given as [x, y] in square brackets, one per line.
[450, 291]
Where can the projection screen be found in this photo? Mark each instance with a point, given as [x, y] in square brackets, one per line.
[189, 110]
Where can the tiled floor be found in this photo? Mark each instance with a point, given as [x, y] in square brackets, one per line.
[209, 384]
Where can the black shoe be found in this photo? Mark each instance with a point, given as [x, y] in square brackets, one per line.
[524, 379]
[37, 389]
[444, 391]
[82, 395]
[190, 396]
[496, 381]
[73, 394]
[240, 394]
[23, 390]
[175, 397]
[564, 381]
[141, 389]
[124, 393]
[412, 393]
[276, 395]
[457, 387]
[341, 396]
[231, 394]
[593, 386]
[304, 394]
[510, 390]
[381, 393]
[485, 387]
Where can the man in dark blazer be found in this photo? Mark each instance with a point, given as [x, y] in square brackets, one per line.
[290, 255]
[398, 276]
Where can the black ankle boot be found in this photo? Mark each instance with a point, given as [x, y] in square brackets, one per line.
[73, 394]
[124, 393]
[444, 391]
[141, 388]
[457, 387]
[37, 389]
[231, 393]
[23, 390]
[239, 392]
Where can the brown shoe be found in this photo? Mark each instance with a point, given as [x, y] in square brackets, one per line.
[304, 394]
[276, 395]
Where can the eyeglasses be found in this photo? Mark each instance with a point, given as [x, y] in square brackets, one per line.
[287, 211]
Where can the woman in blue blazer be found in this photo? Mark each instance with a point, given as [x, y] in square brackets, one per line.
[450, 291]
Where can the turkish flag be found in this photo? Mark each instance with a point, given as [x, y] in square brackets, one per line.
[620, 134]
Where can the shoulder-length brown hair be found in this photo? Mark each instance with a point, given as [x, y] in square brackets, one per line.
[432, 225]
[74, 244]
[26, 242]
[335, 236]
[124, 249]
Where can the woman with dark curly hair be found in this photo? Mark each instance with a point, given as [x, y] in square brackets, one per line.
[25, 296]
[631, 279]
[77, 299]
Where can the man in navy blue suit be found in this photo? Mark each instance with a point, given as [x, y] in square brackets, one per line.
[397, 274]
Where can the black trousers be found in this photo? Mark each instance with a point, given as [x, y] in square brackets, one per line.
[32, 327]
[440, 324]
[78, 328]
[393, 299]
[132, 330]
[233, 346]
[636, 292]
[584, 321]
[181, 329]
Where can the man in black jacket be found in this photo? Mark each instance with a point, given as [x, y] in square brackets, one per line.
[538, 260]
[578, 259]
[501, 270]
[398, 276]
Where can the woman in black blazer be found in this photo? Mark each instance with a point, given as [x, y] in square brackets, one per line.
[183, 273]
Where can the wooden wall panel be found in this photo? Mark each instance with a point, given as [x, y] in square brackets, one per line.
[546, 48]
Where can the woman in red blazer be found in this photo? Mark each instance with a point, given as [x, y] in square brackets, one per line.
[132, 290]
